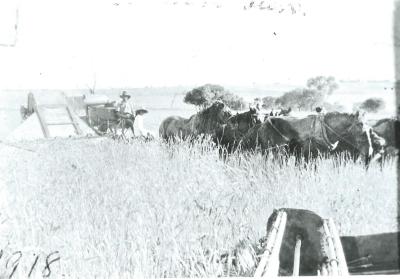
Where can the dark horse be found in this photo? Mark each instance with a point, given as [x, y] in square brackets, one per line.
[230, 135]
[310, 136]
[389, 129]
[205, 122]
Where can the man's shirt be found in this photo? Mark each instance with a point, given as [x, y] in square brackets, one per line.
[126, 107]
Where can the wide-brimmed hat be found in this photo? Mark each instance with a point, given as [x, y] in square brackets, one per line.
[142, 110]
[125, 95]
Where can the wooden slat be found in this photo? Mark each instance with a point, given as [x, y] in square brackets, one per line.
[31, 103]
[76, 126]
[272, 268]
[39, 113]
[331, 250]
[343, 269]
[268, 247]
[296, 260]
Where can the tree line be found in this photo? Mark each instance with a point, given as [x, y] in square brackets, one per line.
[307, 98]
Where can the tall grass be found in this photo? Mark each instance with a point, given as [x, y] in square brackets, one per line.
[169, 210]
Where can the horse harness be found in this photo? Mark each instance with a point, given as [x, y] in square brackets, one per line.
[324, 127]
[324, 135]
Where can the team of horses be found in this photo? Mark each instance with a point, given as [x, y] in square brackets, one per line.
[307, 137]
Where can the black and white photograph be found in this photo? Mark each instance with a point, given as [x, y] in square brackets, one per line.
[199, 138]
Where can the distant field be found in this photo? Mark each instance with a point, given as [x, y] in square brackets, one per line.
[153, 210]
[163, 102]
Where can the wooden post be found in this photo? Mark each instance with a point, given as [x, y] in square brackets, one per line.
[268, 247]
[296, 260]
[75, 124]
[269, 262]
[272, 268]
[343, 269]
[42, 122]
[331, 250]
[31, 103]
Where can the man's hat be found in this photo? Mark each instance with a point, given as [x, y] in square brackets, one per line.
[142, 110]
[124, 94]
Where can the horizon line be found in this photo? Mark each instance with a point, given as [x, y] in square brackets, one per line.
[254, 85]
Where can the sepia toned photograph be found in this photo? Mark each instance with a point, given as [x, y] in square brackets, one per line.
[199, 139]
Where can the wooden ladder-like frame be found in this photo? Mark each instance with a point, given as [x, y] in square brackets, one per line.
[45, 125]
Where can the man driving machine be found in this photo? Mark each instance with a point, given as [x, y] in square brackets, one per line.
[126, 111]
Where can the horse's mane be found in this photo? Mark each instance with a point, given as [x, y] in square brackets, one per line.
[212, 111]
[238, 116]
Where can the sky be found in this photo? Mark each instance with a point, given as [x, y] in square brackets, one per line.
[137, 43]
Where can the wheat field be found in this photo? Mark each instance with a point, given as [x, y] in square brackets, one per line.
[109, 209]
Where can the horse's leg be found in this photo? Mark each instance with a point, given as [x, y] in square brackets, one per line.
[367, 161]
[298, 158]
[223, 153]
[296, 150]
[284, 156]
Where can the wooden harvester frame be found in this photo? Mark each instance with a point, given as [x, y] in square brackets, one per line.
[40, 110]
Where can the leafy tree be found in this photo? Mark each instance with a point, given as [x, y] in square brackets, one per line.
[268, 102]
[311, 98]
[205, 95]
[301, 98]
[372, 104]
[291, 99]
[231, 100]
[325, 85]
[202, 96]
[306, 98]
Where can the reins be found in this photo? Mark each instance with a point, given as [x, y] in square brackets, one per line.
[347, 130]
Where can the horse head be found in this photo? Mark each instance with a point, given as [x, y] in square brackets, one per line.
[237, 126]
[211, 119]
[255, 117]
[218, 112]
[245, 120]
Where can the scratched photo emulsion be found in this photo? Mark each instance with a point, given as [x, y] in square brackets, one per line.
[201, 139]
